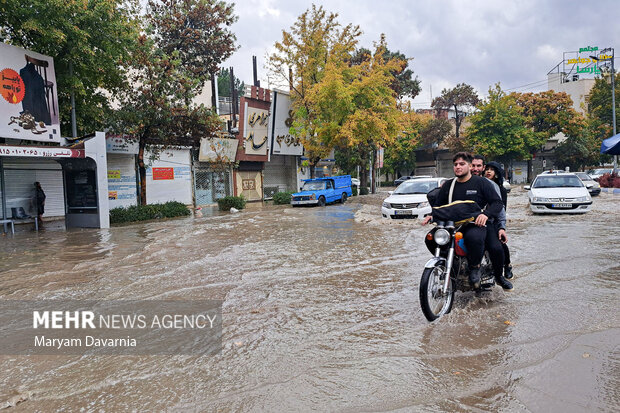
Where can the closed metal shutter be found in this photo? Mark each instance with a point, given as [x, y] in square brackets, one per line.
[20, 176]
[279, 175]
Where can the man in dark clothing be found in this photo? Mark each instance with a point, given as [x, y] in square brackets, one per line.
[480, 190]
[39, 200]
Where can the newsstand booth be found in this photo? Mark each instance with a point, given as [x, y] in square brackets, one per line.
[73, 177]
[72, 174]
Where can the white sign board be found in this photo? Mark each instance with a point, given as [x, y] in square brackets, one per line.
[282, 142]
[119, 144]
[218, 150]
[29, 102]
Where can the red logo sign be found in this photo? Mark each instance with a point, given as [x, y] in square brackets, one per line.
[160, 174]
[12, 86]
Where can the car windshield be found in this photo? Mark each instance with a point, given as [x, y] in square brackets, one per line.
[558, 182]
[583, 176]
[601, 171]
[313, 186]
[415, 187]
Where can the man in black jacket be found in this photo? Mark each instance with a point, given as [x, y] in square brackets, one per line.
[480, 190]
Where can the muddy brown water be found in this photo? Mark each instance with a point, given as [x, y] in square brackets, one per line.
[321, 312]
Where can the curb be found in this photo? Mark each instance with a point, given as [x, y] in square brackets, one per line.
[611, 190]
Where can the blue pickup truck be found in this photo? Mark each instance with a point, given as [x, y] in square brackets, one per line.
[322, 191]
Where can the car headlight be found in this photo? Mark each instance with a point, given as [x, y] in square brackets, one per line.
[442, 236]
[386, 205]
[540, 199]
[313, 196]
[582, 199]
[422, 204]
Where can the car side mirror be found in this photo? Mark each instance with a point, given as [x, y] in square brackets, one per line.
[527, 187]
[390, 192]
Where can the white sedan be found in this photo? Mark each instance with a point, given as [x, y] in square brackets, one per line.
[558, 193]
[409, 199]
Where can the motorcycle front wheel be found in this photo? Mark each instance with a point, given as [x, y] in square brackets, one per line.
[434, 303]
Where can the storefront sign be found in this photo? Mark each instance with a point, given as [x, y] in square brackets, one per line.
[29, 96]
[161, 174]
[282, 142]
[255, 131]
[41, 152]
[220, 150]
[119, 144]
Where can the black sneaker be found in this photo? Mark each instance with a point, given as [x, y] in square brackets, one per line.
[508, 272]
[504, 283]
[474, 277]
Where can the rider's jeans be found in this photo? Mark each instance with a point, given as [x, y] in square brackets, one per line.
[476, 238]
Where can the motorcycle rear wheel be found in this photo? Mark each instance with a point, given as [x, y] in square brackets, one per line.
[433, 303]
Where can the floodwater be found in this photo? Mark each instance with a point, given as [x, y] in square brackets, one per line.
[321, 312]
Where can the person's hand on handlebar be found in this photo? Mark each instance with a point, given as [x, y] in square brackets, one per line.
[426, 220]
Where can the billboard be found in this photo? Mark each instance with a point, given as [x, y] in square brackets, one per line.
[255, 131]
[29, 102]
[282, 142]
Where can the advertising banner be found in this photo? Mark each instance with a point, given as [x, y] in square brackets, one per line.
[282, 143]
[29, 102]
[119, 144]
[41, 152]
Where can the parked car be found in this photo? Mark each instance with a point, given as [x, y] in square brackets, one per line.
[597, 173]
[322, 191]
[405, 178]
[595, 189]
[558, 193]
[355, 182]
[409, 199]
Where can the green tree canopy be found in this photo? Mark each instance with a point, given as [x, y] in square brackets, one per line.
[499, 129]
[95, 37]
[223, 84]
[165, 79]
[459, 98]
[599, 102]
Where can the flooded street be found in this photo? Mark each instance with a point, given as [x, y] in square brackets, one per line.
[321, 312]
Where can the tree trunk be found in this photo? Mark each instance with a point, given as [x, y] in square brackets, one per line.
[373, 187]
[142, 172]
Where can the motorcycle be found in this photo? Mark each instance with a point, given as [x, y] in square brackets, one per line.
[448, 271]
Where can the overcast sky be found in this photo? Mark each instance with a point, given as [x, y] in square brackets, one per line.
[479, 42]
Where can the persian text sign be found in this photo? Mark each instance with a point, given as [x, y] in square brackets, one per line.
[41, 152]
[282, 142]
[162, 174]
[28, 96]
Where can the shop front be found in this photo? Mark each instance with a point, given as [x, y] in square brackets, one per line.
[72, 178]
[213, 169]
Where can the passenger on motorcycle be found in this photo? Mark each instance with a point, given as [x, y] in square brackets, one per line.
[480, 235]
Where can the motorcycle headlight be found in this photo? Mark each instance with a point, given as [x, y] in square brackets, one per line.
[386, 205]
[442, 237]
[422, 204]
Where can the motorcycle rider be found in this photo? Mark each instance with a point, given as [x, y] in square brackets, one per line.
[495, 173]
[480, 235]
[477, 165]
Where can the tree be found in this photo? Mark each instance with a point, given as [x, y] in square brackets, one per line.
[404, 85]
[599, 102]
[549, 113]
[355, 106]
[166, 76]
[459, 98]
[314, 39]
[499, 129]
[223, 84]
[93, 38]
